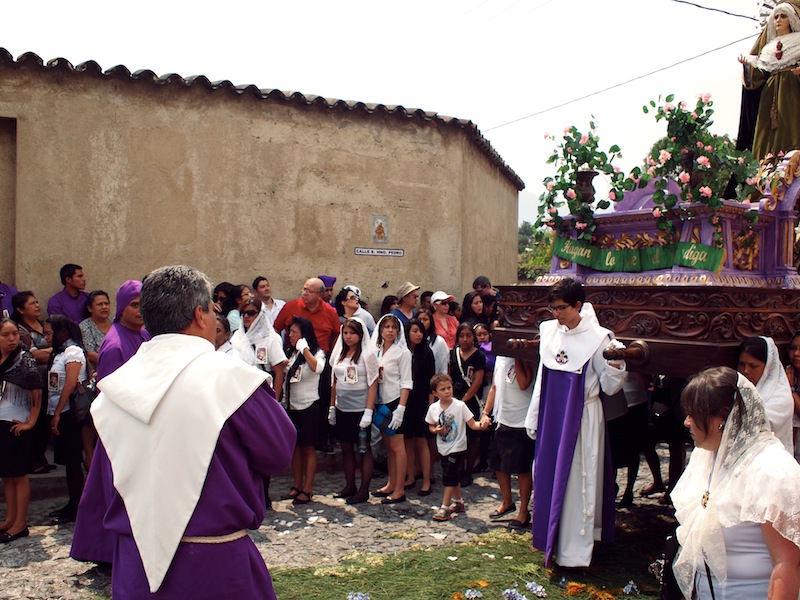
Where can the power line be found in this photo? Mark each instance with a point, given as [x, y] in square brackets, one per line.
[573, 101]
[725, 12]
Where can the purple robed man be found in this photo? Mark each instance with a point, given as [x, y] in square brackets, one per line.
[92, 541]
[189, 434]
[573, 485]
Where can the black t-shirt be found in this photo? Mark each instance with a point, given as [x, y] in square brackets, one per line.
[476, 362]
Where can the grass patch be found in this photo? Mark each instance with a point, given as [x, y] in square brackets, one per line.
[490, 563]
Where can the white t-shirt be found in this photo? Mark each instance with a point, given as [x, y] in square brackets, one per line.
[454, 418]
[351, 385]
[441, 355]
[510, 403]
[58, 374]
[305, 382]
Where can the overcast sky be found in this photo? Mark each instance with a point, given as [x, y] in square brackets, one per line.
[490, 61]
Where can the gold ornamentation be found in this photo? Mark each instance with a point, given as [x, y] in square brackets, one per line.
[745, 250]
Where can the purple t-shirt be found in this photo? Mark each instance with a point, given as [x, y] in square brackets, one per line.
[6, 293]
[117, 348]
[64, 304]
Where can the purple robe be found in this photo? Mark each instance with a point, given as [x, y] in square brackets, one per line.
[91, 541]
[560, 413]
[7, 292]
[118, 346]
[232, 499]
[64, 304]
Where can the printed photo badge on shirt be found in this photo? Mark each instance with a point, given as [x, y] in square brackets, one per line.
[350, 374]
[380, 374]
[511, 373]
[261, 355]
[296, 377]
[54, 381]
[561, 357]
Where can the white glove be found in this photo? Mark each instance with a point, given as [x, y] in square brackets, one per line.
[301, 345]
[531, 434]
[397, 417]
[332, 415]
[616, 364]
[366, 419]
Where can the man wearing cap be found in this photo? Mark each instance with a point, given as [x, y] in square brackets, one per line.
[328, 280]
[183, 427]
[407, 302]
[91, 541]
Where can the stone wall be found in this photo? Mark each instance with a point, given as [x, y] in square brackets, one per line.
[123, 173]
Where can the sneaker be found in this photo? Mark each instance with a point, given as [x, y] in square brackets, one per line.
[458, 506]
[443, 514]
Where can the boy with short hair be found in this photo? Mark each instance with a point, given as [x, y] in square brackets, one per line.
[446, 419]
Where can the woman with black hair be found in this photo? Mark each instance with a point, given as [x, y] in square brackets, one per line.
[95, 327]
[353, 396]
[389, 304]
[20, 403]
[301, 399]
[468, 370]
[66, 368]
[441, 354]
[472, 309]
[233, 303]
[417, 432]
[760, 362]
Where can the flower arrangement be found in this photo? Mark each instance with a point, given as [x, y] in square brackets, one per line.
[578, 152]
[699, 161]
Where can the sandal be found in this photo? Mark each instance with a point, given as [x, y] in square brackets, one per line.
[293, 493]
[443, 514]
[298, 499]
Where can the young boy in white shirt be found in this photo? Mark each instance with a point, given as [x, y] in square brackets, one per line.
[447, 419]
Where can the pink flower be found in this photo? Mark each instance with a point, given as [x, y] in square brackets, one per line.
[550, 185]
[668, 107]
[746, 201]
[552, 210]
[612, 195]
[616, 169]
[706, 191]
[672, 139]
[664, 156]
[741, 158]
[689, 196]
[699, 144]
[584, 139]
[546, 135]
[569, 149]
[683, 104]
[752, 181]
[580, 225]
[651, 171]
[656, 212]
[694, 115]
[715, 220]
[684, 177]
[706, 98]
[709, 148]
[571, 194]
[703, 161]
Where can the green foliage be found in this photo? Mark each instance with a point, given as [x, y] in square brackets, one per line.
[524, 236]
[534, 259]
[700, 162]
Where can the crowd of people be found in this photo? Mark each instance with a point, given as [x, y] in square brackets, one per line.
[419, 385]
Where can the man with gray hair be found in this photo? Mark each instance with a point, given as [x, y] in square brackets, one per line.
[189, 434]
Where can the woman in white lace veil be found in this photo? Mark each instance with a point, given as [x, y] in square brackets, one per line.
[257, 343]
[737, 503]
[760, 362]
